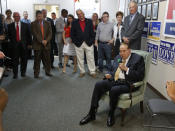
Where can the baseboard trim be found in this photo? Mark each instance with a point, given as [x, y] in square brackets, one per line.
[155, 91]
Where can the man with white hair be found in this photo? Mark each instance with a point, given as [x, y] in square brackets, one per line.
[132, 28]
[20, 38]
[25, 19]
[82, 35]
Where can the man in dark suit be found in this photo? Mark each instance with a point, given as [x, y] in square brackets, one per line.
[20, 38]
[52, 42]
[42, 34]
[132, 28]
[117, 82]
[82, 35]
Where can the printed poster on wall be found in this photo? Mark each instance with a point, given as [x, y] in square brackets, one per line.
[169, 29]
[145, 30]
[167, 52]
[153, 48]
[154, 30]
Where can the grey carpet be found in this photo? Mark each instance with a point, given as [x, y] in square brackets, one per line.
[58, 104]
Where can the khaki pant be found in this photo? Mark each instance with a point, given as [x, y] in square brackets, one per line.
[89, 50]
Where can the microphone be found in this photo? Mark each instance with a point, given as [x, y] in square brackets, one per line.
[119, 60]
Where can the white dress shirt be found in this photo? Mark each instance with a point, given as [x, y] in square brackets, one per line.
[115, 29]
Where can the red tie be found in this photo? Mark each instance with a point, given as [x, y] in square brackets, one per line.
[17, 32]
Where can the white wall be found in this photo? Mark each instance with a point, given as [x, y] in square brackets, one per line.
[22, 5]
[111, 6]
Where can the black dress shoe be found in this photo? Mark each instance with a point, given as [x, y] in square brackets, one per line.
[15, 77]
[110, 120]
[23, 74]
[67, 65]
[48, 74]
[60, 65]
[87, 119]
[36, 76]
[53, 67]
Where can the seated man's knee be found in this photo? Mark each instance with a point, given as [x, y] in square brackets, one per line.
[3, 99]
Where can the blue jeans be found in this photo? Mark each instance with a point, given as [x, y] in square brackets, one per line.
[104, 51]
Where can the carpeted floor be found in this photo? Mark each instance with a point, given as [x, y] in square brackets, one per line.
[58, 103]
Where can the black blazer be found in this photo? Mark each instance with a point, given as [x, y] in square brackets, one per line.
[53, 28]
[136, 67]
[26, 38]
[78, 37]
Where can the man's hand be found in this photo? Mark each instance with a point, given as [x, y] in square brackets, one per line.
[171, 90]
[126, 40]
[65, 43]
[108, 76]
[96, 43]
[111, 41]
[44, 42]
[1, 55]
[29, 46]
[2, 37]
[123, 67]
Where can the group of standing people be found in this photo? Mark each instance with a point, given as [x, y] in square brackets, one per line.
[86, 40]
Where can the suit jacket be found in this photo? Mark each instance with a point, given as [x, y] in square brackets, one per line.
[59, 24]
[37, 35]
[53, 28]
[26, 38]
[134, 30]
[136, 67]
[78, 36]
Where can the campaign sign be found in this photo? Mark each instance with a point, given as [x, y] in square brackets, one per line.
[154, 30]
[145, 30]
[170, 29]
[153, 48]
[167, 52]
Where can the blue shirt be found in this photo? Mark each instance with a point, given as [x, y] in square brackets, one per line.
[27, 21]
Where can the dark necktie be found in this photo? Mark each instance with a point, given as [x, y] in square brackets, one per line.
[130, 19]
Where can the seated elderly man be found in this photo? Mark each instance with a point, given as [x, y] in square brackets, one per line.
[127, 68]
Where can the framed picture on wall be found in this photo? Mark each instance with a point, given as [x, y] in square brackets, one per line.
[139, 1]
[144, 10]
[155, 10]
[139, 9]
[149, 11]
[144, 1]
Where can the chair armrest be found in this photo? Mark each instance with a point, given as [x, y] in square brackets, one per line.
[137, 84]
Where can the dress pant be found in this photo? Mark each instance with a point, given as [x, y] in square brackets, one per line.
[43, 55]
[89, 51]
[52, 52]
[116, 47]
[96, 55]
[115, 90]
[60, 46]
[19, 52]
[104, 50]
[7, 49]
